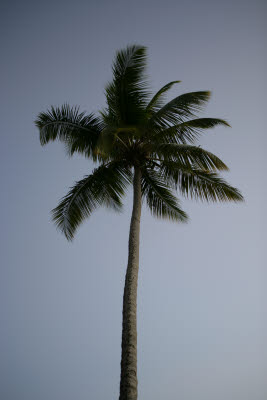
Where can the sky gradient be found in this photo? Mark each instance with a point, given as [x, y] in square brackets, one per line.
[202, 286]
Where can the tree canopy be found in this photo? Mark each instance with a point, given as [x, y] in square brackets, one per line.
[137, 129]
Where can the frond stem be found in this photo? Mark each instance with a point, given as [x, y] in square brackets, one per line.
[65, 123]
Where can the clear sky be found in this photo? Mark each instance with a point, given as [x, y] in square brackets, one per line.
[202, 286]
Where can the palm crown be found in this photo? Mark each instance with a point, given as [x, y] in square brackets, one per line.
[137, 130]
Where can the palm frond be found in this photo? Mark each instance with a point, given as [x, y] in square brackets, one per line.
[161, 202]
[200, 185]
[181, 107]
[106, 185]
[188, 131]
[186, 155]
[157, 101]
[79, 131]
[127, 93]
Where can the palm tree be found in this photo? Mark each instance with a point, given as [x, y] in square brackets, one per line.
[141, 141]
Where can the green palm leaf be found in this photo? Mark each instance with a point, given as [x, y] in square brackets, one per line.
[161, 202]
[157, 101]
[127, 93]
[186, 155]
[181, 107]
[200, 185]
[76, 129]
[106, 185]
[188, 131]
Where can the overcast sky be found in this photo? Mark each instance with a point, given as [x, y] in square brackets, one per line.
[202, 286]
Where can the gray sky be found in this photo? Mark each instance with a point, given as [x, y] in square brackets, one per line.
[202, 286]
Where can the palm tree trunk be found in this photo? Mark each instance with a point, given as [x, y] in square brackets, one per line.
[128, 384]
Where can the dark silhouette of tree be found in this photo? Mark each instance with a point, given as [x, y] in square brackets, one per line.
[141, 141]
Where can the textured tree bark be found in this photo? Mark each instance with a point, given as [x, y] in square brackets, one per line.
[128, 383]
